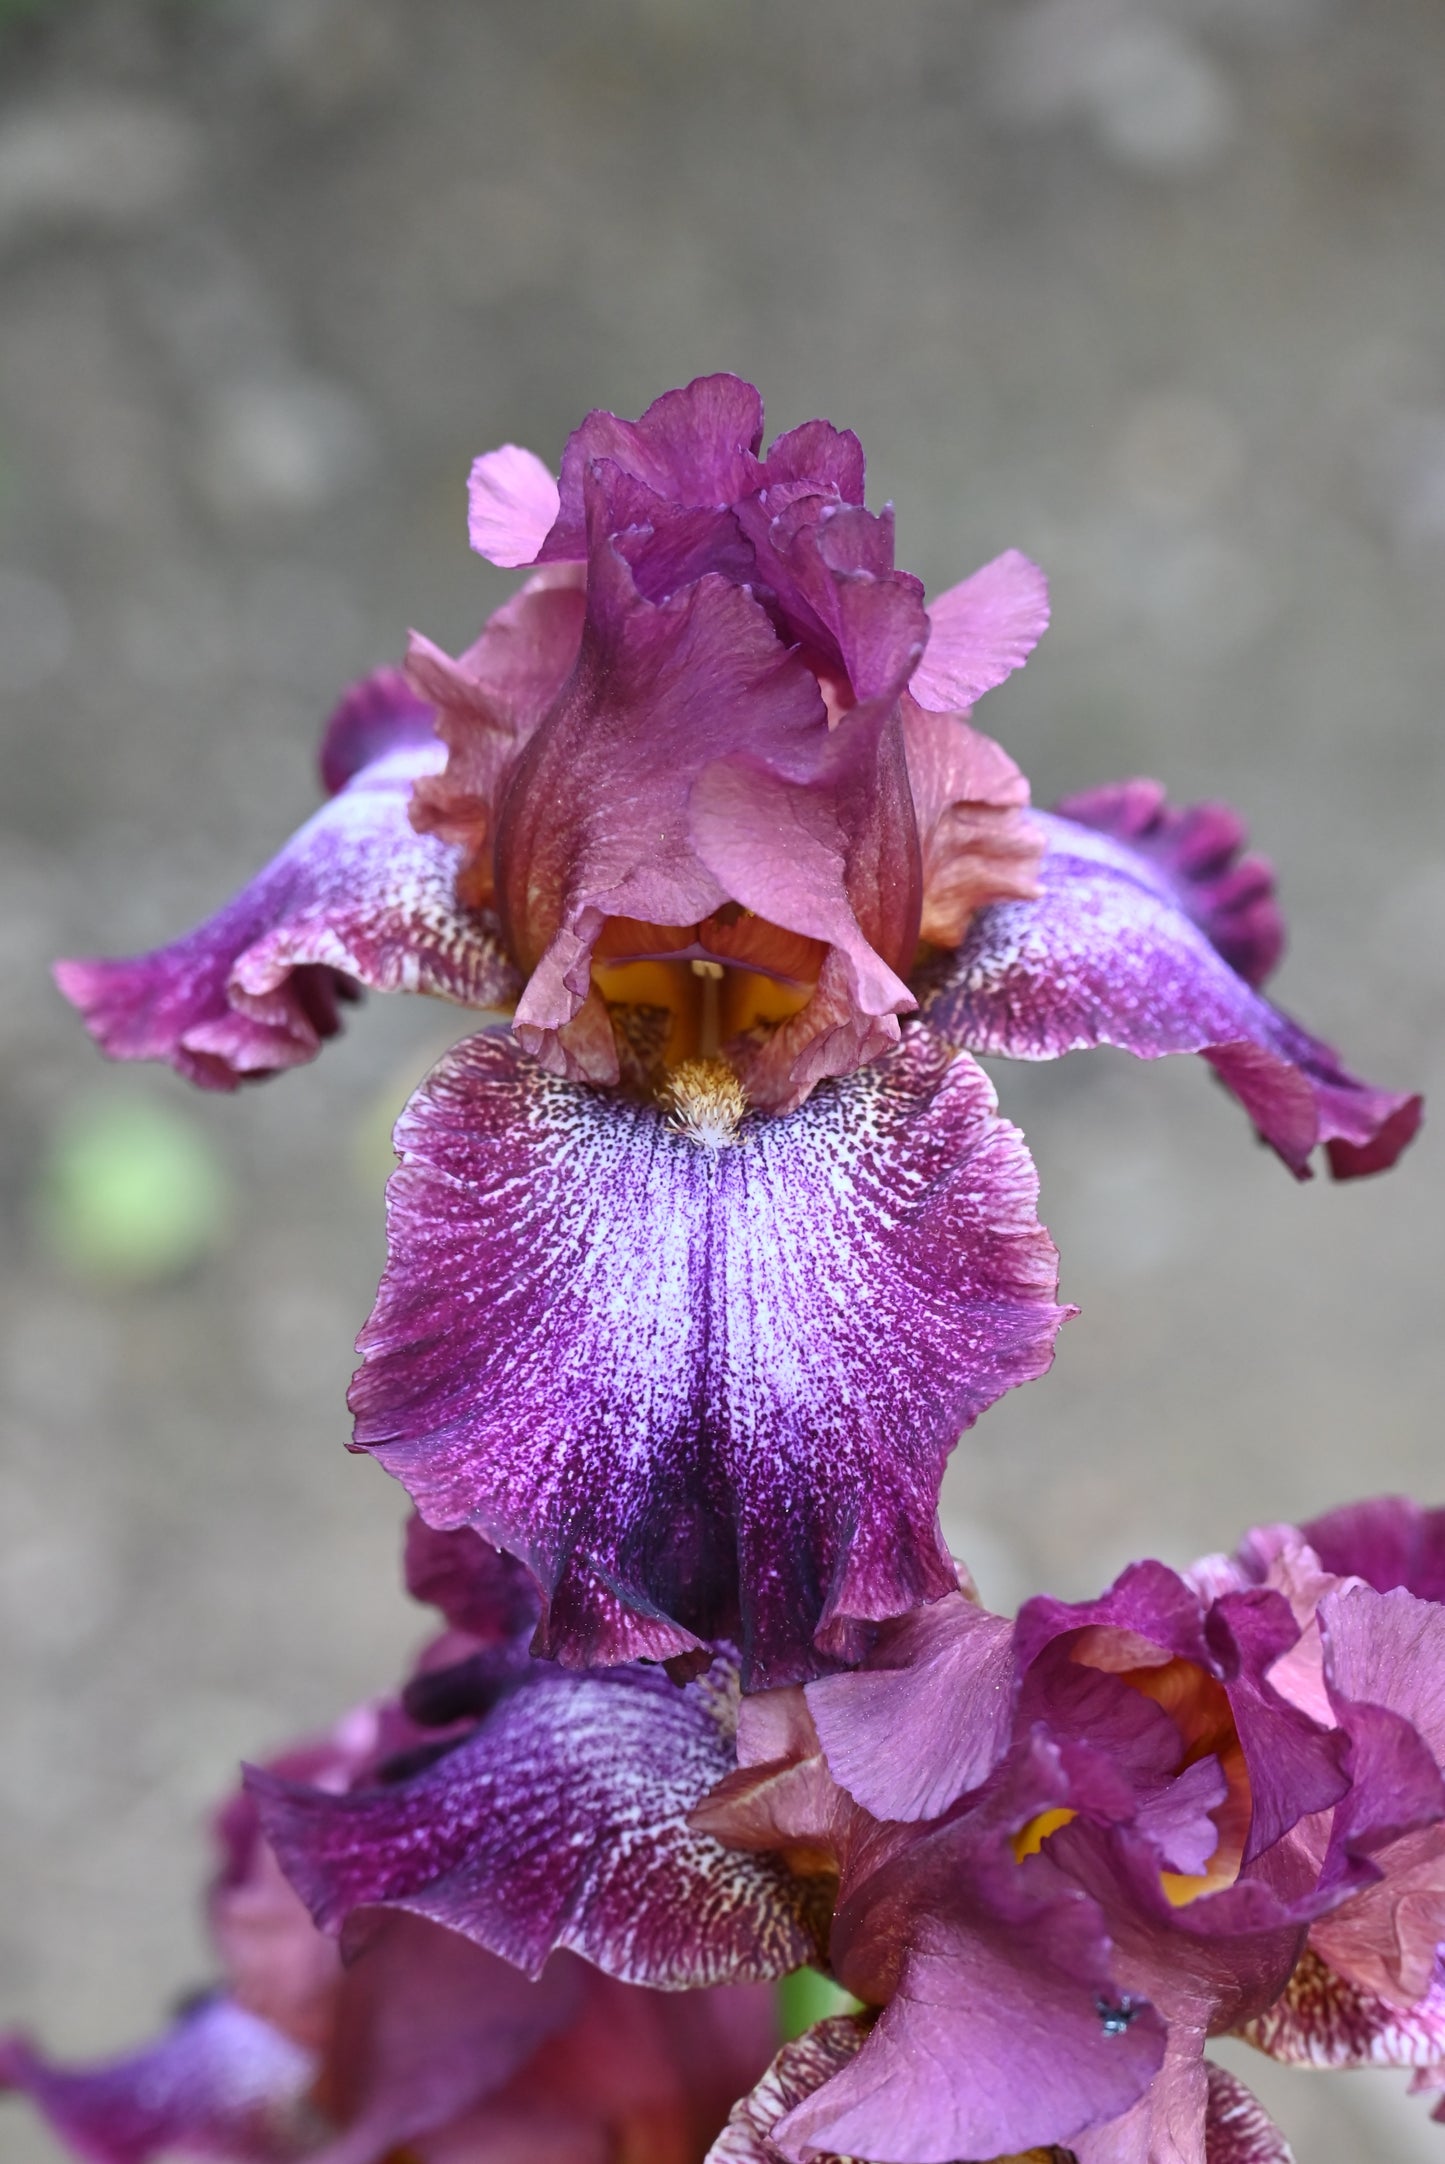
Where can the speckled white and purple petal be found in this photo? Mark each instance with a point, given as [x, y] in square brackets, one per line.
[803, 2065]
[1109, 954]
[1322, 2020]
[562, 1822]
[355, 898]
[703, 1393]
[1237, 2128]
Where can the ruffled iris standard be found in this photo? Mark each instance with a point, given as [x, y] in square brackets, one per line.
[697, 1272]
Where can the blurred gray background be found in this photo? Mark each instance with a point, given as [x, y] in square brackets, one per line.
[1153, 289]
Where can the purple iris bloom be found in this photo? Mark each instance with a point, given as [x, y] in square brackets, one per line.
[1199, 1805]
[1051, 1856]
[697, 1273]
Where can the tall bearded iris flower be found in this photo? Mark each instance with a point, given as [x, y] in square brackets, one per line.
[697, 1271]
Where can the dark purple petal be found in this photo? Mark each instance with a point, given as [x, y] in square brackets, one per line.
[696, 447]
[512, 505]
[1388, 1542]
[927, 1716]
[561, 1823]
[980, 631]
[703, 1391]
[1198, 851]
[1237, 2128]
[355, 898]
[378, 716]
[802, 2066]
[221, 2083]
[1320, 2019]
[829, 570]
[1113, 952]
[825, 458]
[490, 1596]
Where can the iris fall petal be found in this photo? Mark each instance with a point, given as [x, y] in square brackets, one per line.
[703, 1391]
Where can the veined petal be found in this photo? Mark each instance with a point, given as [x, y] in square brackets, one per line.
[979, 844]
[1129, 947]
[355, 898]
[703, 1391]
[802, 2066]
[220, 2083]
[512, 505]
[595, 819]
[489, 703]
[1237, 2128]
[941, 1678]
[980, 631]
[1194, 2112]
[1320, 2019]
[995, 2042]
[562, 1822]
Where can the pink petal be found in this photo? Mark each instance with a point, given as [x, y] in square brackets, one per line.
[513, 502]
[980, 631]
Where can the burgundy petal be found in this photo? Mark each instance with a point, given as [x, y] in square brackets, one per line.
[980, 631]
[1320, 2019]
[703, 1390]
[802, 2066]
[927, 1716]
[562, 1822]
[355, 898]
[1129, 946]
[220, 2083]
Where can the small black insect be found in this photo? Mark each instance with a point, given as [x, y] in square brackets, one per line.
[1115, 2015]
